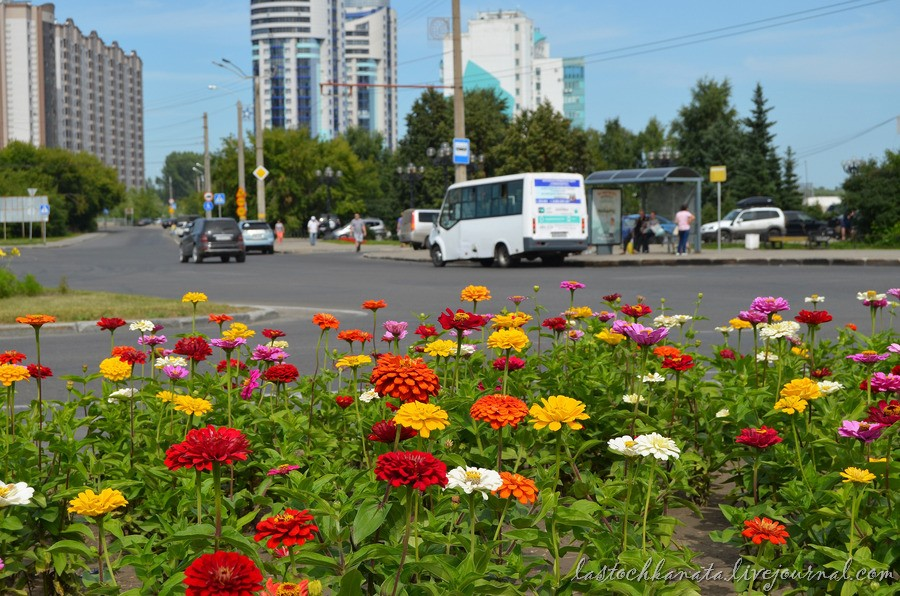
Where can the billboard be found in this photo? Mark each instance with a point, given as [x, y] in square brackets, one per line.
[22, 209]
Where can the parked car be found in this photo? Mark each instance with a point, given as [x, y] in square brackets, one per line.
[799, 223]
[374, 227]
[765, 221]
[258, 235]
[212, 237]
[329, 223]
[144, 221]
[667, 225]
[415, 225]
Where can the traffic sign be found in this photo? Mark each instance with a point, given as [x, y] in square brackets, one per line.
[242, 212]
[241, 194]
[45, 209]
[207, 196]
[260, 172]
[461, 152]
[219, 198]
[207, 206]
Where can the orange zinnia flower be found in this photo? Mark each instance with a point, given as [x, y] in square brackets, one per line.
[326, 321]
[220, 318]
[666, 351]
[517, 486]
[760, 529]
[35, 320]
[374, 305]
[405, 378]
[499, 410]
[352, 335]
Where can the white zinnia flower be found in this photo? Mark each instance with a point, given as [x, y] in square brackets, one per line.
[653, 378]
[870, 295]
[279, 343]
[467, 349]
[726, 330]
[682, 319]
[828, 387]
[656, 445]
[142, 326]
[779, 330]
[623, 445]
[472, 479]
[666, 321]
[632, 398]
[125, 392]
[766, 356]
[171, 360]
[368, 396]
[814, 299]
[723, 413]
[15, 494]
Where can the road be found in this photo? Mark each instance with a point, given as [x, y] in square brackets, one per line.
[337, 280]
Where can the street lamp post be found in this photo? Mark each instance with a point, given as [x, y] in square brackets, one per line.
[198, 177]
[329, 178]
[476, 163]
[412, 174]
[852, 166]
[441, 157]
[663, 158]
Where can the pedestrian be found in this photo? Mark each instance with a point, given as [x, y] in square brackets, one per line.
[312, 226]
[642, 233]
[279, 232]
[847, 224]
[358, 227]
[652, 230]
[683, 221]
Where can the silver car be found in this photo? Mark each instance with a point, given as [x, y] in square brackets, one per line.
[258, 235]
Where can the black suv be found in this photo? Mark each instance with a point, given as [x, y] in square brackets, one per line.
[798, 223]
[213, 237]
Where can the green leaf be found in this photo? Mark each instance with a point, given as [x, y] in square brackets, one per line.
[351, 583]
[316, 560]
[72, 547]
[369, 518]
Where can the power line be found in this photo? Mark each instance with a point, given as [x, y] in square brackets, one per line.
[823, 147]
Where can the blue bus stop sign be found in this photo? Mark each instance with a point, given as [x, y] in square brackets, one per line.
[207, 206]
[219, 198]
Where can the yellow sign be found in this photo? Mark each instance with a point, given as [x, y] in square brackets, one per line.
[260, 172]
[717, 174]
[242, 212]
[240, 195]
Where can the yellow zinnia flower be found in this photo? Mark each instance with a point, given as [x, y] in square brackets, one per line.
[440, 347]
[114, 369]
[509, 321]
[798, 351]
[556, 411]
[610, 337]
[15, 252]
[739, 323]
[805, 388]
[475, 294]
[10, 373]
[508, 339]
[862, 476]
[421, 417]
[353, 361]
[579, 312]
[791, 404]
[167, 396]
[237, 330]
[93, 505]
[192, 406]
[194, 297]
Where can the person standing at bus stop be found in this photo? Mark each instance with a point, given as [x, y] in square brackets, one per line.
[683, 221]
[358, 227]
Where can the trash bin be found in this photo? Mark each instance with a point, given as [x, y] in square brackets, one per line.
[751, 241]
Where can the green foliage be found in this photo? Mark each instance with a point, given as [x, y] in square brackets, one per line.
[872, 193]
[11, 286]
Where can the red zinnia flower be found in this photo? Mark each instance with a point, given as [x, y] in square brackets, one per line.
[886, 413]
[850, 326]
[726, 354]
[222, 574]
[425, 331]
[374, 305]
[281, 373]
[193, 347]
[288, 528]
[461, 320]
[499, 410]
[236, 365]
[352, 335]
[343, 401]
[821, 373]
[813, 318]
[412, 468]
[110, 324]
[679, 363]
[637, 311]
[205, 446]
[219, 319]
[765, 529]
[557, 324]
[612, 297]
[405, 378]
[385, 431]
[760, 438]
[129, 355]
[512, 363]
[273, 333]
[12, 357]
[41, 372]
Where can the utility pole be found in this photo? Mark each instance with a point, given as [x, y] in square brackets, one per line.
[240, 133]
[207, 183]
[260, 182]
[459, 106]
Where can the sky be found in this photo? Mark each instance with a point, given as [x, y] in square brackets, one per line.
[830, 70]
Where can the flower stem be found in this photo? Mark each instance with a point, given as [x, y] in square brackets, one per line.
[756, 480]
[799, 452]
[853, 513]
[472, 520]
[199, 486]
[627, 506]
[217, 487]
[505, 371]
[409, 498]
[101, 544]
[647, 505]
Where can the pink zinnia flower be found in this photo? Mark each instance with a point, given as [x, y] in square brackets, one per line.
[876, 303]
[268, 354]
[645, 336]
[152, 340]
[282, 470]
[863, 431]
[605, 316]
[571, 285]
[881, 382]
[513, 363]
[895, 348]
[228, 344]
[575, 334]
[769, 304]
[251, 384]
[175, 372]
[396, 328]
[517, 300]
[619, 326]
[868, 357]
[754, 317]
[895, 292]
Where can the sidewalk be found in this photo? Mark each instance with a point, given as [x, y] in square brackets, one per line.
[656, 256]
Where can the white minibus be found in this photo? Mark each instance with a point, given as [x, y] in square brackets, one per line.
[505, 219]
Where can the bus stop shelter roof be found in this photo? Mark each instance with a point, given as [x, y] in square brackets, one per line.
[642, 176]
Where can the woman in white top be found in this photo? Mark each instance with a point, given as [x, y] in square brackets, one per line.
[683, 221]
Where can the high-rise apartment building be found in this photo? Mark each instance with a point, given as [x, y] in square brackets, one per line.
[60, 88]
[502, 50]
[326, 65]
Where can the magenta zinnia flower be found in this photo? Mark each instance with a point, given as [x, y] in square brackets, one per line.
[754, 317]
[863, 431]
[282, 469]
[175, 372]
[251, 384]
[605, 316]
[396, 328]
[228, 344]
[152, 340]
[882, 383]
[868, 357]
[895, 292]
[513, 363]
[268, 354]
[645, 336]
[769, 304]
[571, 285]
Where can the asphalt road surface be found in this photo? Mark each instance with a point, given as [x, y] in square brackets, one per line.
[144, 261]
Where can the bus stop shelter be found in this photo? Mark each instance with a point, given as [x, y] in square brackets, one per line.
[663, 190]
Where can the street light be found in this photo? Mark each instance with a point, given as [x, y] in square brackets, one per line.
[412, 173]
[663, 158]
[258, 125]
[852, 166]
[198, 177]
[329, 178]
[441, 157]
[476, 162]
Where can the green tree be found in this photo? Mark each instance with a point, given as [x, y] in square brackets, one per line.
[790, 196]
[539, 140]
[872, 192]
[758, 168]
[619, 147]
[179, 167]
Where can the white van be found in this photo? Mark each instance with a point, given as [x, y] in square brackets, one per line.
[415, 225]
[505, 219]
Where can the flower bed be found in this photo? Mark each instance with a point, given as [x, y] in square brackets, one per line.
[504, 453]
